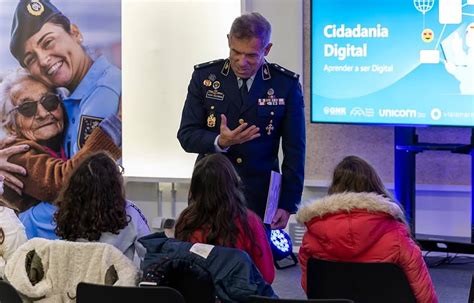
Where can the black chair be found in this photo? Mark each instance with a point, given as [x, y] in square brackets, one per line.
[471, 292]
[361, 282]
[259, 299]
[94, 293]
[8, 293]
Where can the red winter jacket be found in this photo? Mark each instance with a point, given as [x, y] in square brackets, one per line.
[362, 227]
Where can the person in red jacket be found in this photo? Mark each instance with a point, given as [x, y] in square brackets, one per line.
[360, 222]
[217, 214]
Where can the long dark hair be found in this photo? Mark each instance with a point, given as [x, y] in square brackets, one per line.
[354, 174]
[216, 203]
[92, 201]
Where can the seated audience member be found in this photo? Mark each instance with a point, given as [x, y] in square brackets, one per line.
[359, 222]
[217, 214]
[12, 232]
[92, 207]
[34, 114]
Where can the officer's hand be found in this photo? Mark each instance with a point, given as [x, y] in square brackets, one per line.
[280, 219]
[239, 135]
[7, 169]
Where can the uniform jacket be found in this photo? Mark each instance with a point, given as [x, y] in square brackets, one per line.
[12, 235]
[275, 105]
[46, 173]
[258, 249]
[362, 227]
[49, 270]
[233, 273]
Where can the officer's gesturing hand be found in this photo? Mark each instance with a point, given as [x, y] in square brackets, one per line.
[239, 135]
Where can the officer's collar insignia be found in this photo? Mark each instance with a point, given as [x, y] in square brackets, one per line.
[265, 72]
[226, 68]
[35, 8]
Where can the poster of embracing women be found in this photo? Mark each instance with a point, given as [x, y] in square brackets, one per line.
[60, 93]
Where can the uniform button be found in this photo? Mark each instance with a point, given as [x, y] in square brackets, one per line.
[272, 113]
[212, 107]
[241, 121]
[238, 160]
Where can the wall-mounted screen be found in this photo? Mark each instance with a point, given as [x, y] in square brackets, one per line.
[398, 62]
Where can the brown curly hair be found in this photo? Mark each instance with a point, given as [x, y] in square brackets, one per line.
[92, 201]
[216, 203]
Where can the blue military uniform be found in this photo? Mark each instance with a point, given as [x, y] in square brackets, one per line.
[274, 104]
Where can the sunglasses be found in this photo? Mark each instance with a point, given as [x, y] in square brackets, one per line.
[28, 109]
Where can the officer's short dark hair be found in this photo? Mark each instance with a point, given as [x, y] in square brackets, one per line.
[251, 25]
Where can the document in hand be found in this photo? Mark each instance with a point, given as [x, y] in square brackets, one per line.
[273, 197]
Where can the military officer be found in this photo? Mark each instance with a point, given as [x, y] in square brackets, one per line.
[242, 106]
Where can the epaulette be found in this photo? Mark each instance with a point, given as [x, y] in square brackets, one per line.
[206, 64]
[285, 71]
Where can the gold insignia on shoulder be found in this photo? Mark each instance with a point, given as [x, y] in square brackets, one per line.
[207, 82]
[35, 8]
[211, 120]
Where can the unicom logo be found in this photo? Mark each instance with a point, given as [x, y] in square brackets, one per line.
[397, 113]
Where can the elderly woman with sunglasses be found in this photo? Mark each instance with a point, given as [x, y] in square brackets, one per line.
[34, 114]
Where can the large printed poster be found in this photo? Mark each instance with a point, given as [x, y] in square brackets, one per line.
[393, 62]
[60, 78]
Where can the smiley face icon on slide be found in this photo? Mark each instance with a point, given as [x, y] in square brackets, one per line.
[427, 35]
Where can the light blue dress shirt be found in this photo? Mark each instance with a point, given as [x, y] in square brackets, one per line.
[95, 98]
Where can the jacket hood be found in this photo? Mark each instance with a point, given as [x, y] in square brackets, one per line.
[347, 202]
[347, 224]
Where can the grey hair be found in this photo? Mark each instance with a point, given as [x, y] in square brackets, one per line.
[7, 120]
[251, 25]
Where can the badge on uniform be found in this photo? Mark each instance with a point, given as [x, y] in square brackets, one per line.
[211, 120]
[215, 95]
[216, 85]
[35, 8]
[207, 82]
[86, 127]
[269, 128]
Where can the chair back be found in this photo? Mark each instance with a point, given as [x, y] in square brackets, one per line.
[361, 282]
[260, 299]
[471, 292]
[95, 293]
[8, 293]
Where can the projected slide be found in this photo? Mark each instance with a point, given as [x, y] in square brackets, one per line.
[403, 62]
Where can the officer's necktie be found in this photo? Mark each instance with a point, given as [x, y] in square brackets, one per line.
[244, 90]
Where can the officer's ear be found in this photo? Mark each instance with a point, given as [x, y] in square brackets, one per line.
[76, 33]
[267, 48]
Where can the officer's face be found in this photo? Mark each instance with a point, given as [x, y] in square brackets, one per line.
[56, 57]
[246, 55]
[43, 124]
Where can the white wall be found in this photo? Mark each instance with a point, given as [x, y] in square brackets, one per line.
[162, 41]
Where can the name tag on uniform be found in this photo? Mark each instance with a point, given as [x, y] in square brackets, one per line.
[271, 101]
[214, 94]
